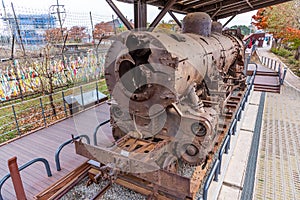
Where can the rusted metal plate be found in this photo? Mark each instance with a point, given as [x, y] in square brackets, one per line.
[120, 158]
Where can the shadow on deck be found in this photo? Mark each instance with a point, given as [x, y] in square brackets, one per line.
[44, 143]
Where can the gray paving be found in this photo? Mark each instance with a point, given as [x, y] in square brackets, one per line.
[278, 167]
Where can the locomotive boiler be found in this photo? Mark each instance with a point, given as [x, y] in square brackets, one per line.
[171, 99]
[174, 85]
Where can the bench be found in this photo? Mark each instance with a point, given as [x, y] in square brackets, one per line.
[84, 100]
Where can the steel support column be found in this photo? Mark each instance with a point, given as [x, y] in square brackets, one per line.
[162, 13]
[175, 18]
[229, 20]
[140, 14]
[120, 15]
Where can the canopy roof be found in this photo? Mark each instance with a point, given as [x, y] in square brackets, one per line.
[217, 9]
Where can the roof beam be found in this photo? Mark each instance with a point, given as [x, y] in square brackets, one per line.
[213, 16]
[249, 4]
[120, 15]
[203, 3]
[175, 18]
[247, 9]
[229, 20]
[162, 13]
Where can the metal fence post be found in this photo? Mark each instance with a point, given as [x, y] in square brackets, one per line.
[63, 97]
[43, 112]
[81, 96]
[271, 63]
[16, 120]
[283, 77]
[97, 92]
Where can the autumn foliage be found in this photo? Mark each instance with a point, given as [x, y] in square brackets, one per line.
[282, 20]
[101, 29]
[261, 19]
[77, 33]
[54, 35]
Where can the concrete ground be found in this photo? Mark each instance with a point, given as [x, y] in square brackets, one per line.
[278, 163]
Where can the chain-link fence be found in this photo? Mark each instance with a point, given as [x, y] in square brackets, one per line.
[43, 50]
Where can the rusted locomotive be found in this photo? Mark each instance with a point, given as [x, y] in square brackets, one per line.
[172, 99]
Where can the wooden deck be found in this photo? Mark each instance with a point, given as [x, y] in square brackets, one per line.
[266, 80]
[44, 143]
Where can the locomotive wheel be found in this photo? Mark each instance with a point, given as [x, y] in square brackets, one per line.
[171, 164]
[190, 152]
[198, 129]
[118, 134]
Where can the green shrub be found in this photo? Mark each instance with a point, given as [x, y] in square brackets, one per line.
[282, 52]
[291, 60]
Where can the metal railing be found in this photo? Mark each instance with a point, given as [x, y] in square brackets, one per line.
[26, 116]
[275, 65]
[216, 166]
[58, 150]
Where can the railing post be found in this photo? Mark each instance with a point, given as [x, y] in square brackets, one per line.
[97, 92]
[275, 65]
[43, 111]
[271, 63]
[268, 62]
[81, 93]
[283, 77]
[279, 74]
[16, 120]
[16, 178]
[65, 107]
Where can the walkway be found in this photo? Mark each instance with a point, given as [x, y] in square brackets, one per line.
[278, 167]
[291, 79]
[277, 173]
[44, 143]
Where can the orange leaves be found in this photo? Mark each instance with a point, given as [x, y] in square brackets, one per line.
[281, 20]
[103, 28]
[292, 33]
[54, 35]
[261, 19]
[77, 33]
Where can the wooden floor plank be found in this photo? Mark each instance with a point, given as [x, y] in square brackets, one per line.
[44, 143]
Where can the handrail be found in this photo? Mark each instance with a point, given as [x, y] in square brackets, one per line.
[96, 130]
[280, 70]
[216, 169]
[58, 150]
[224, 149]
[43, 160]
[213, 173]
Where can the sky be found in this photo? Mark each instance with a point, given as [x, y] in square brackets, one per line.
[101, 8]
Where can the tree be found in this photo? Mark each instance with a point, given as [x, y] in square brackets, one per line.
[283, 21]
[244, 29]
[166, 27]
[54, 35]
[261, 18]
[102, 29]
[77, 33]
